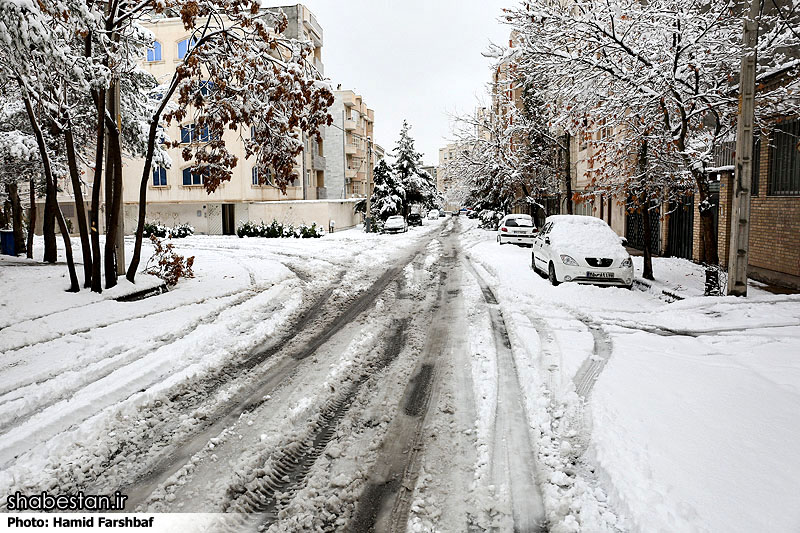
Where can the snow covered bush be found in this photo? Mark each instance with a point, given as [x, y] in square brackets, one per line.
[275, 230]
[490, 219]
[166, 264]
[179, 231]
[309, 232]
[154, 228]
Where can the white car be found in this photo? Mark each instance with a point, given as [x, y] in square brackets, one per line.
[395, 224]
[516, 229]
[581, 249]
[433, 214]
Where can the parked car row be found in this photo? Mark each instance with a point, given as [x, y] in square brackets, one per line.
[571, 248]
[399, 224]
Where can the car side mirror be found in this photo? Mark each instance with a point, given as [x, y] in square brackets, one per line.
[547, 240]
[623, 241]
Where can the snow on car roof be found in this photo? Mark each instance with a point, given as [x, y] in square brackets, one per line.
[577, 219]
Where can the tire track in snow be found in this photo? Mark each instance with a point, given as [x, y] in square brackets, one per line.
[297, 347]
[513, 458]
[385, 501]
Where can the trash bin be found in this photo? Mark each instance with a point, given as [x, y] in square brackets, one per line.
[7, 242]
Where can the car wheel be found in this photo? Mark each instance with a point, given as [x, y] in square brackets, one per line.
[500, 240]
[552, 276]
[533, 262]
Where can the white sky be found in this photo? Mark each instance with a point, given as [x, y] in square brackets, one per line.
[418, 60]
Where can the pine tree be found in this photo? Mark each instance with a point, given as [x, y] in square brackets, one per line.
[418, 185]
[388, 195]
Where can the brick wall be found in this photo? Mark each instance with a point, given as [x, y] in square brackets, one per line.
[774, 226]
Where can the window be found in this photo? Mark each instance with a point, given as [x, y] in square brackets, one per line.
[185, 46]
[192, 178]
[187, 133]
[159, 177]
[784, 160]
[154, 53]
[190, 134]
[267, 177]
[756, 166]
[206, 87]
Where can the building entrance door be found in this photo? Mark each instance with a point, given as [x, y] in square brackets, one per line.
[228, 219]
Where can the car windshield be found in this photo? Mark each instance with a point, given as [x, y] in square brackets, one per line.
[395, 218]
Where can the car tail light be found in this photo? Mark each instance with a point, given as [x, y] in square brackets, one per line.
[503, 229]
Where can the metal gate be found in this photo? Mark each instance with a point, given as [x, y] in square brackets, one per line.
[634, 230]
[680, 228]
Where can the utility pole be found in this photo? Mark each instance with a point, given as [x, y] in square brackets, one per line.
[740, 207]
[368, 219]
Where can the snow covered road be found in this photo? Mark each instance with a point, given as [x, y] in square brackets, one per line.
[426, 381]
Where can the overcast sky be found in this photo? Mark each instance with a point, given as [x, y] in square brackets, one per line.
[417, 60]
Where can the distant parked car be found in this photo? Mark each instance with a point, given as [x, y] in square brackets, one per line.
[472, 214]
[442, 213]
[516, 229]
[581, 249]
[433, 214]
[414, 219]
[395, 224]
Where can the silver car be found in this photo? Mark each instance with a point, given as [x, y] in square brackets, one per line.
[395, 224]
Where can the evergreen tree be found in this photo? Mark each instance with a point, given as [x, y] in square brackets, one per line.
[418, 185]
[388, 195]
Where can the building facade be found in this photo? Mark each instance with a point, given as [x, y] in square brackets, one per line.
[174, 195]
[346, 146]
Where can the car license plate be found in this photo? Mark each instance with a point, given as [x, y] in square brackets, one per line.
[599, 274]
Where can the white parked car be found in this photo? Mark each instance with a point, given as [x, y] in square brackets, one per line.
[433, 214]
[582, 249]
[395, 224]
[516, 229]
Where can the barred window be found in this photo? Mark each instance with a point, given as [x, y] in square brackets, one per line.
[784, 160]
[756, 166]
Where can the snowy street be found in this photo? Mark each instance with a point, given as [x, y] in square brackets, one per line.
[425, 381]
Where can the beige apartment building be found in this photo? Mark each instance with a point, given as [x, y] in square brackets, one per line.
[174, 195]
[345, 146]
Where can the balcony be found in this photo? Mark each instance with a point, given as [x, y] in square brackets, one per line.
[318, 163]
[350, 173]
[313, 27]
[350, 149]
[349, 99]
[349, 124]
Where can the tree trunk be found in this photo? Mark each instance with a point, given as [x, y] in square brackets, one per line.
[80, 210]
[644, 209]
[113, 174]
[97, 283]
[137, 248]
[32, 218]
[707, 234]
[49, 226]
[16, 218]
[568, 174]
[51, 192]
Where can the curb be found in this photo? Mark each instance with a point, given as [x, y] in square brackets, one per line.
[637, 281]
[144, 293]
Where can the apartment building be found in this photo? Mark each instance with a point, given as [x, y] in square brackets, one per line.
[345, 146]
[174, 195]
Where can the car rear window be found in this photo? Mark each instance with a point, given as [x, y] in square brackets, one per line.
[519, 222]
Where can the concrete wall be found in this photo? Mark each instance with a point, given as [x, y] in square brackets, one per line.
[307, 212]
